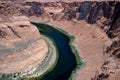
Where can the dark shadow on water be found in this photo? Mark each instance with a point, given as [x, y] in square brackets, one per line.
[66, 61]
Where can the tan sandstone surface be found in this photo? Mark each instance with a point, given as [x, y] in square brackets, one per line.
[90, 41]
[21, 46]
[67, 0]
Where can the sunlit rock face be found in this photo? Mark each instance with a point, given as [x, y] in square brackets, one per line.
[16, 31]
[104, 14]
[21, 46]
[91, 11]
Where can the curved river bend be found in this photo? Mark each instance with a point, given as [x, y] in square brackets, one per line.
[67, 61]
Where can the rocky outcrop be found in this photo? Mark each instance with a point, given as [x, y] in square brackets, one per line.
[111, 66]
[21, 47]
[106, 14]
[90, 11]
[33, 9]
[7, 9]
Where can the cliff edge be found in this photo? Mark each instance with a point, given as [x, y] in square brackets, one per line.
[21, 47]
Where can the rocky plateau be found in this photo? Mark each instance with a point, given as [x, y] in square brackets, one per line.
[99, 19]
[21, 47]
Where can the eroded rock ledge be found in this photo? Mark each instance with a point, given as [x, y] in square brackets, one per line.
[105, 14]
[21, 47]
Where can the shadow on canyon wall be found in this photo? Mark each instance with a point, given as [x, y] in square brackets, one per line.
[106, 14]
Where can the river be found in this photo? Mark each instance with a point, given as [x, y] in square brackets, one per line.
[67, 61]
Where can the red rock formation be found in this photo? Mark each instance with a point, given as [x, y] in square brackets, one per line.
[21, 47]
[105, 14]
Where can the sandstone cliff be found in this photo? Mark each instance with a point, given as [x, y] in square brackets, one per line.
[21, 47]
[104, 14]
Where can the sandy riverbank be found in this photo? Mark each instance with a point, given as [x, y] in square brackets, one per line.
[90, 40]
[48, 63]
[79, 60]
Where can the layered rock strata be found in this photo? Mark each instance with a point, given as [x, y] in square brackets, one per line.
[104, 14]
[21, 47]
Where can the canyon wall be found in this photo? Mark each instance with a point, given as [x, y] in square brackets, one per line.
[105, 14]
[22, 48]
